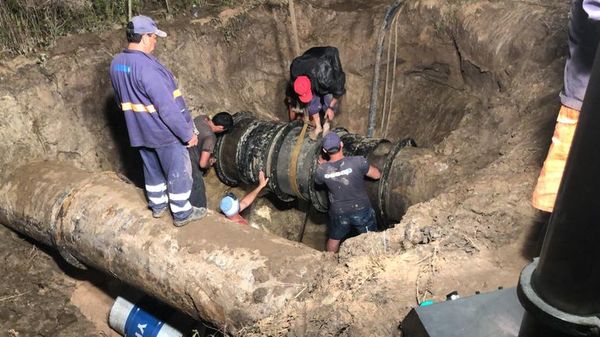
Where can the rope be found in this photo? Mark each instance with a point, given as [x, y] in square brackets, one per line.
[294, 28]
[129, 10]
[294, 162]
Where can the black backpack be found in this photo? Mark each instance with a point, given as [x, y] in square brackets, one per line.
[322, 65]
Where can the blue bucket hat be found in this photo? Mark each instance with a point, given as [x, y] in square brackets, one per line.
[229, 205]
[145, 25]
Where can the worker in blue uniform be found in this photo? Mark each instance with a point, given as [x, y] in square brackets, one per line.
[158, 122]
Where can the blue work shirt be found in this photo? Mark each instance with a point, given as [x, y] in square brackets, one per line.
[146, 91]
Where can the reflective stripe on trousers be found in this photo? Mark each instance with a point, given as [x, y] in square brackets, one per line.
[168, 178]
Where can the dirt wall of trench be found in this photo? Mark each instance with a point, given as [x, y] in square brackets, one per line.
[476, 81]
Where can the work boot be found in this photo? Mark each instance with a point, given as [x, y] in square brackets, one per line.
[159, 213]
[197, 214]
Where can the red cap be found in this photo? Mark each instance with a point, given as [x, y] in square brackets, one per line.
[302, 88]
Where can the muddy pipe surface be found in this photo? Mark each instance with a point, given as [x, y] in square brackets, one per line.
[212, 269]
[409, 174]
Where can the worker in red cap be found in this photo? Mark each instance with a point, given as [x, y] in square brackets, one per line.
[315, 105]
[317, 81]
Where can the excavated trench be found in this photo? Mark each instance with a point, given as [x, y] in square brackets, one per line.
[474, 83]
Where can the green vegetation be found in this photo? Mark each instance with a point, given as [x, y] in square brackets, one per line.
[26, 27]
[31, 26]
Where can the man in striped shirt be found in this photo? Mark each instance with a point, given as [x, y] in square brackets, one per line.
[158, 122]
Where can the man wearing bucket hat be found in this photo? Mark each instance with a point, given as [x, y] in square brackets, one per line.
[158, 122]
[231, 206]
[349, 205]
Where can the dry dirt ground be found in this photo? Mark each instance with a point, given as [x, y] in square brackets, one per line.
[475, 81]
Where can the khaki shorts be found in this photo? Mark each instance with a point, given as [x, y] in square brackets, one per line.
[548, 182]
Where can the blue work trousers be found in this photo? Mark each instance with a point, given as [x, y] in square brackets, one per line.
[168, 178]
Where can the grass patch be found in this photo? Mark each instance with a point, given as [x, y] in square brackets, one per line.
[27, 27]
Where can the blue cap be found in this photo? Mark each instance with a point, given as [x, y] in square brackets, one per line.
[331, 142]
[145, 25]
[229, 205]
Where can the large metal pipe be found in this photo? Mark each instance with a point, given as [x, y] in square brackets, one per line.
[561, 289]
[212, 269]
[255, 145]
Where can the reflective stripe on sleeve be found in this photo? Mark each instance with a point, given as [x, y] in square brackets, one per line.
[137, 107]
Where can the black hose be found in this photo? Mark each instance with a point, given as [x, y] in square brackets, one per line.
[391, 12]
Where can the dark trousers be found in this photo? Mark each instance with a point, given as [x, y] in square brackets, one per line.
[198, 196]
[340, 225]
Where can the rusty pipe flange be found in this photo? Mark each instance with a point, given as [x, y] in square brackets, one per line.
[219, 164]
[272, 161]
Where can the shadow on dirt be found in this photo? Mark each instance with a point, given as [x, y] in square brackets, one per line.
[129, 157]
[535, 236]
